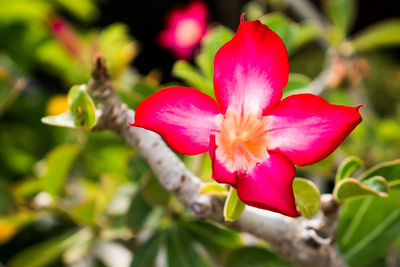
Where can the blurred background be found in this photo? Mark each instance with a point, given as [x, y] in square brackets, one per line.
[71, 197]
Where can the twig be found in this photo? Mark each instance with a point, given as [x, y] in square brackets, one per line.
[298, 240]
[307, 11]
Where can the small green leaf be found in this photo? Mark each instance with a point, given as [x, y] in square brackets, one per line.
[209, 47]
[297, 84]
[233, 206]
[145, 254]
[349, 188]
[44, 253]
[57, 165]
[390, 170]
[214, 189]
[192, 77]
[347, 167]
[307, 197]
[341, 13]
[82, 107]
[62, 120]
[381, 34]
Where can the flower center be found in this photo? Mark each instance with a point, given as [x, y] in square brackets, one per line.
[242, 140]
[188, 32]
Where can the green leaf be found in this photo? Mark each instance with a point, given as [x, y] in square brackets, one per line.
[233, 206]
[47, 251]
[307, 197]
[215, 238]
[341, 13]
[62, 120]
[349, 188]
[180, 250]
[192, 77]
[297, 84]
[394, 184]
[390, 170]
[82, 107]
[84, 212]
[253, 256]
[347, 167]
[85, 10]
[145, 254]
[209, 47]
[57, 165]
[137, 212]
[381, 34]
[214, 189]
[306, 32]
[282, 26]
[368, 226]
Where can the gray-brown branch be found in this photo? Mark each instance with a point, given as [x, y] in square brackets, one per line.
[304, 242]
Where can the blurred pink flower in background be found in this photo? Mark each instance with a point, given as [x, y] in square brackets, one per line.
[66, 35]
[185, 27]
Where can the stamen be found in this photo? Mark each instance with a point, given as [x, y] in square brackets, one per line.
[242, 140]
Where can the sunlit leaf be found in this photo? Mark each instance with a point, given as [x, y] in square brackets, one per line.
[347, 167]
[233, 206]
[307, 197]
[382, 34]
[57, 165]
[62, 120]
[214, 189]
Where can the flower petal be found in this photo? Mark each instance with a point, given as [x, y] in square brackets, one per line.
[219, 172]
[306, 128]
[269, 185]
[251, 70]
[183, 116]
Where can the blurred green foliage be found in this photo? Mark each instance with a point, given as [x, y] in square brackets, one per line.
[68, 194]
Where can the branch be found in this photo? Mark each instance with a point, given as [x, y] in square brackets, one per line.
[304, 242]
[307, 11]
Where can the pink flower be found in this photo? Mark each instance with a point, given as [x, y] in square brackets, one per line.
[253, 137]
[67, 36]
[186, 26]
